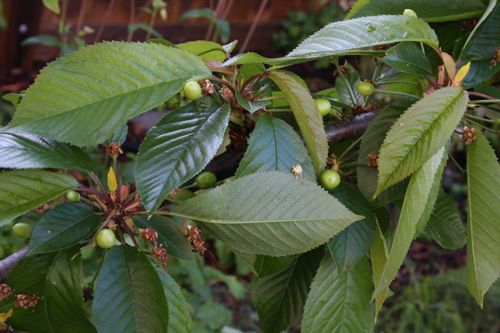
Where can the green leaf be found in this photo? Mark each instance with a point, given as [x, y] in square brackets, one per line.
[84, 97]
[414, 206]
[47, 40]
[339, 301]
[169, 234]
[378, 259]
[418, 134]
[356, 36]
[479, 72]
[206, 50]
[62, 227]
[56, 279]
[370, 143]
[408, 58]
[428, 10]
[3, 21]
[351, 36]
[179, 320]
[250, 106]
[269, 213]
[483, 232]
[483, 40]
[199, 12]
[24, 190]
[445, 225]
[266, 265]
[28, 151]
[129, 295]
[52, 5]
[274, 145]
[178, 148]
[308, 118]
[351, 244]
[133, 27]
[346, 84]
[280, 298]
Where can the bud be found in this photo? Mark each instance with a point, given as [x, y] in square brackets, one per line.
[469, 135]
[373, 159]
[161, 255]
[24, 301]
[5, 291]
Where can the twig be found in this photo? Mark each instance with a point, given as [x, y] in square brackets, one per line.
[81, 15]
[103, 20]
[7, 264]
[475, 93]
[255, 22]
[132, 20]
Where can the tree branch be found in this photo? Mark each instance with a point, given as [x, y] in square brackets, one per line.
[226, 164]
[7, 264]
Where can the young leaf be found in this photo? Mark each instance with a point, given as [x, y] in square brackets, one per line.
[280, 298]
[483, 233]
[269, 213]
[23, 190]
[346, 84]
[351, 244]
[445, 225]
[274, 145]
[52, 5]
[27, 151]
[308, 118]
[129, 296]
[169, 234]
[83, 98]
[483, 40]
[428, 10]
[339, 301]
[63, 227]
[414, 205]
[206, 50]
[178, 148]
[179, 319]
[408, 58]
[418, 134]
[56, 279]
[250, 106]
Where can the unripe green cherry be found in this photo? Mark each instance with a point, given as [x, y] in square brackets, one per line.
[206, 180]
[192, 90]
[22, 230]
[72, 196]
[173, 102]
[323, 106]
[365, 88]
[409, 12]
[105, 239]
[329, 179]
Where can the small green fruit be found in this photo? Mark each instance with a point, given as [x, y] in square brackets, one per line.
[22, 230]
[329, 179]
[323, 106]
[365, 88]
[192, 90]
[72, 196]
[173, 102]
[206, 180]
[105, 239]
[409, 12]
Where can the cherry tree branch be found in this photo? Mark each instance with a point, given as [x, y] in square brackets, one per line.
[7, 264]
